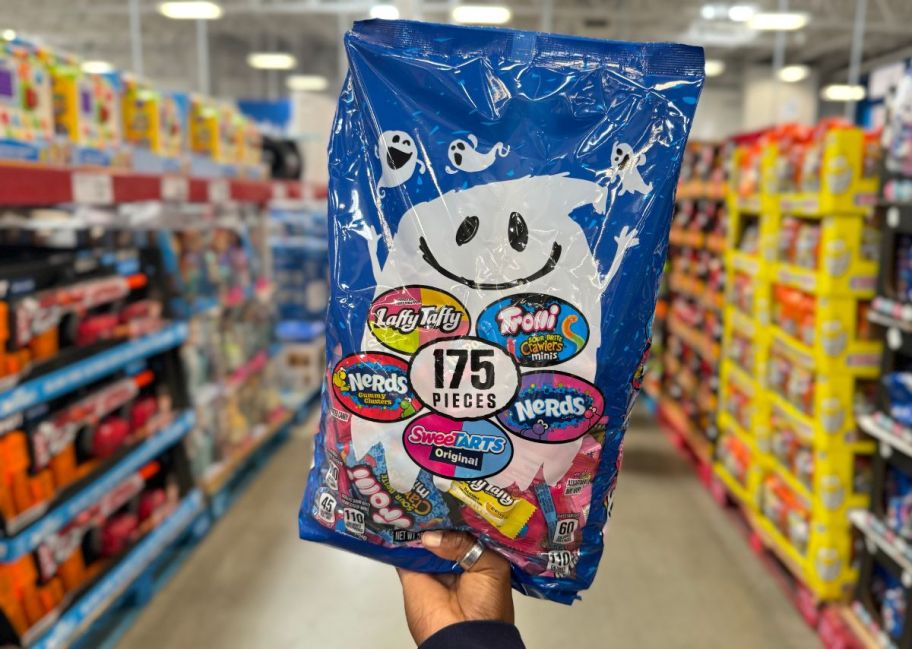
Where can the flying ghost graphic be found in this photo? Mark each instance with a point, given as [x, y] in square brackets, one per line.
[465, 156]
[470, 244]
[626, 165]
[398, 156]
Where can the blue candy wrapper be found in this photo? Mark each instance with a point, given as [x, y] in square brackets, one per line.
[499, 208]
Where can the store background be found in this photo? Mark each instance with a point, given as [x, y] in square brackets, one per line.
[679, 570]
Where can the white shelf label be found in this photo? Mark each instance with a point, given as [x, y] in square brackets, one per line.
[175, 189]
[279, 191]
[92, 188]
[219, 191]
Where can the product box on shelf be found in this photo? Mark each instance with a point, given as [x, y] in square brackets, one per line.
[155, 125]
[56, 307]
[87, 113]
[26, 105]
[46, 569]
[52, 447]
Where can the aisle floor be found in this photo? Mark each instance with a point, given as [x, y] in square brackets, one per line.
[677, 573]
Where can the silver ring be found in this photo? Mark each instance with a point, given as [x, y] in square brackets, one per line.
[470, 558]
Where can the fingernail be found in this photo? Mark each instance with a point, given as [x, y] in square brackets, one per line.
[432, 539]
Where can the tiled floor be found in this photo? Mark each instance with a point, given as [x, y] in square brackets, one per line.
[676, 574]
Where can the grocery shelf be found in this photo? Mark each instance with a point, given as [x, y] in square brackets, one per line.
[219, 474]
[37, 185]
[696, 290]
[865, 632]
[699, 340]
[93, 604]
[858, 358]
[749, 264]
[30, 538]
[888, 432]
[779, 545]
[76, 375]
[883, 538]
[735, 489]
[671, 413]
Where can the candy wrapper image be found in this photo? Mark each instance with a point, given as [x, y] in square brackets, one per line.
[499, 207]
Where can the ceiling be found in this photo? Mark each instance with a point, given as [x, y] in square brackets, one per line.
[311, 29]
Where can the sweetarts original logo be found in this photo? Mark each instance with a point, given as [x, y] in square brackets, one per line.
[464, 450]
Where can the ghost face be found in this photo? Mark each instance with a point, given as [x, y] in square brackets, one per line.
[457, 152]
[622, 156]
[502, 235]
[398, 156]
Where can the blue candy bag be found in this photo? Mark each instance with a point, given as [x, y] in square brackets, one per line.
[499, 207]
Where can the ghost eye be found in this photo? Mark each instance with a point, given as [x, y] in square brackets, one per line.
[395, 138]
[619, 152]
[406, 142]
[460, 146]
[467, 230]
[518, 232]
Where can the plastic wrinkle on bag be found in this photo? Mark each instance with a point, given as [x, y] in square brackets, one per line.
[499, 206]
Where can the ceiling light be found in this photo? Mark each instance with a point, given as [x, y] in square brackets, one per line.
[778, 21]
[97, 67]
[714, 67]
[384, 12]
[741, 13]
[190, 10]
[793, 73]
[481, 14]
[307, 82]
[843, 92]
[271, 61]
[8, 34]
[714, 11]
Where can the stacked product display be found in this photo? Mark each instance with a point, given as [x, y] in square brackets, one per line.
[54, 112]
[885, 558]
[801, 358]
[695, 275]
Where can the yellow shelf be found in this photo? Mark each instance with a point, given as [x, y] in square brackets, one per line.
[749, 264]
[858, 357]
[735, 488]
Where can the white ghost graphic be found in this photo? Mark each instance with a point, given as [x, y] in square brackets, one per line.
[398, 156]
[465, 156]
[626, 167]
[485, 262]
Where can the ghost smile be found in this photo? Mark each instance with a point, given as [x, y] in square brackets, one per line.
[499, 286]
[397, 158]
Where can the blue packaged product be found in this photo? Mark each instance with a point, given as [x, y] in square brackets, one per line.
[499, 208]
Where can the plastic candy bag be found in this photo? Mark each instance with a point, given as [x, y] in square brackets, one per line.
[499, 207]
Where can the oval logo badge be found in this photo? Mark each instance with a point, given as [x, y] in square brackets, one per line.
[462, 450]
[406, 318]
[375, 386]
[538, 330]
[464, 378]
[553, 407]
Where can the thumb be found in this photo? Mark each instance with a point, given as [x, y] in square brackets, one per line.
[453, 546]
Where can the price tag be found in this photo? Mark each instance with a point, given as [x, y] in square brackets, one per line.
[175, 189]
[92, 188]
[279, 191]
[219, 191]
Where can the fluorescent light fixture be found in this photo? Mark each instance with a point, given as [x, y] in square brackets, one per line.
[307, 82]
[190, 10]
[8, 34]
[778, 21]
[271, 61]
[481, 14]
[843, 92]
[384, 12]
[714, 67]
[793, 73]
[741, 13]
[97, 67]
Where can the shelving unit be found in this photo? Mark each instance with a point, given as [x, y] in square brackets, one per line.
[800, 274]
[238, 372]
[688, 351]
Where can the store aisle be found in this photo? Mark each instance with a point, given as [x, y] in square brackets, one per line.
[677, 574]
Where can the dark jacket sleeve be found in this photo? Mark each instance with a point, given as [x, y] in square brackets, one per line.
[475, 635]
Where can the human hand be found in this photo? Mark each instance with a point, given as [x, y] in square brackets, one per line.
[435, 601]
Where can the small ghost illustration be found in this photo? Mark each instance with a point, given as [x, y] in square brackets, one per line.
[398, 156]
[626, 165]
[465, 156]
